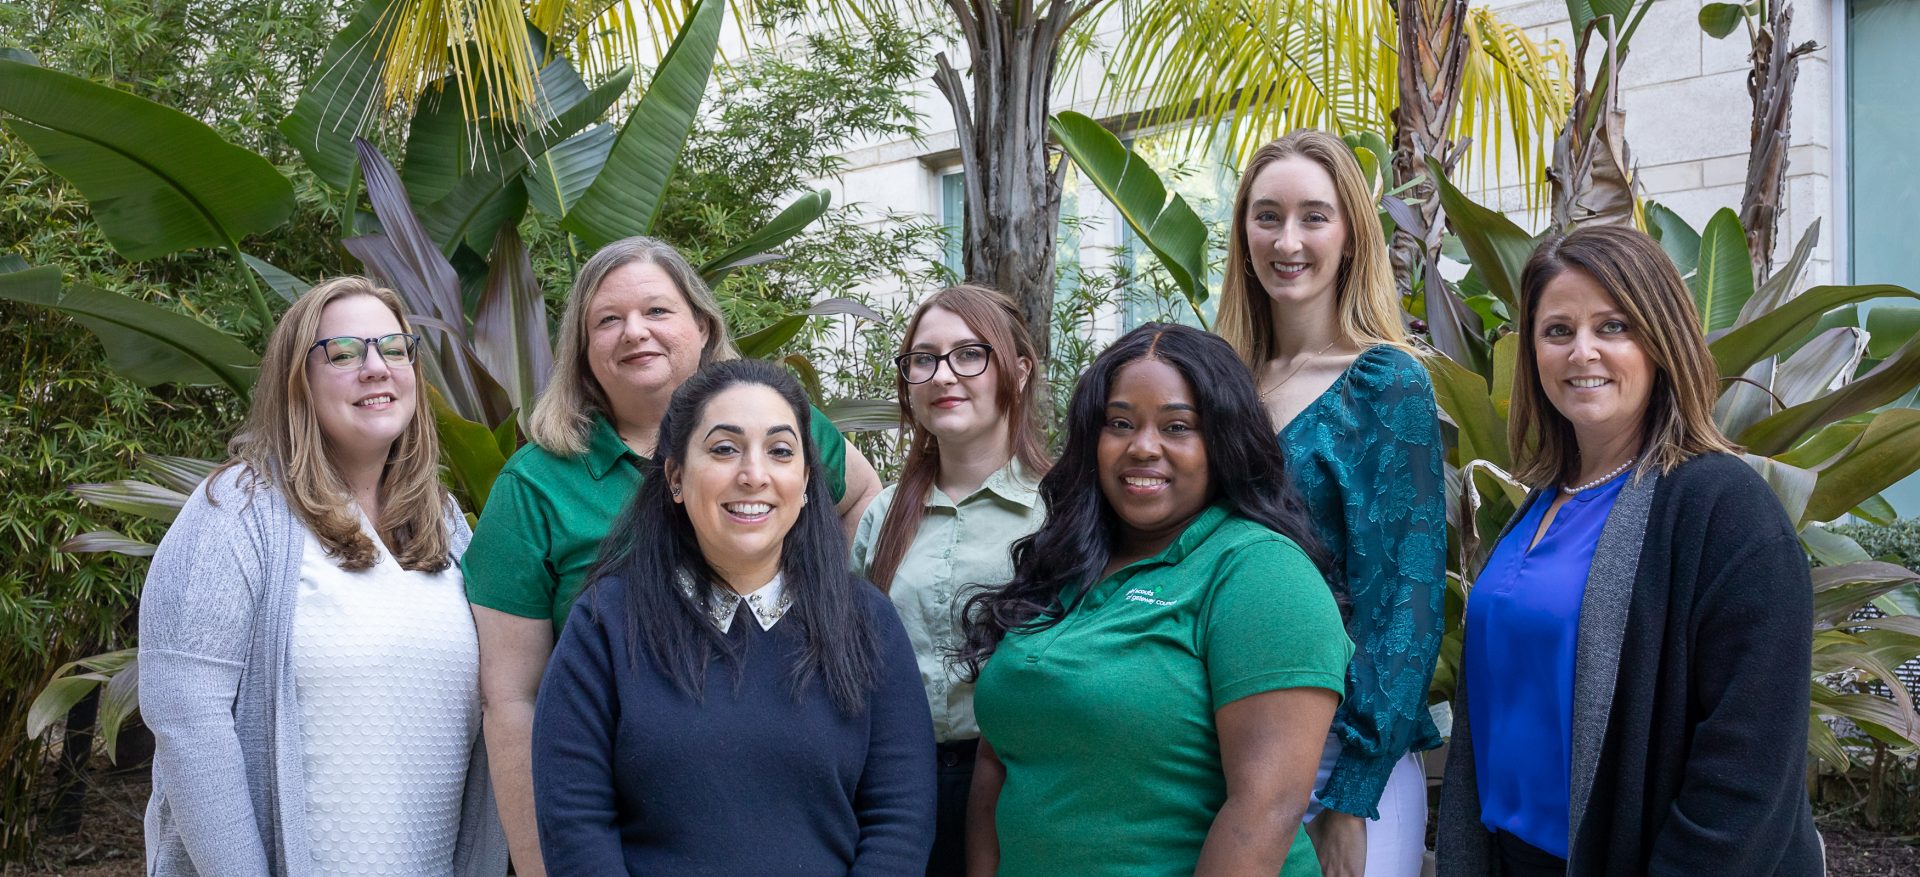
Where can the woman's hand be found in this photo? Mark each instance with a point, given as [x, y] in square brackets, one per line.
[1340, 840]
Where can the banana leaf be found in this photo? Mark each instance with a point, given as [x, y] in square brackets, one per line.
[1498, 248]
[285, 285]
[337, 103]
[625, 197]
[1886, 382]
[158, 181]
[133, 497]
[1162, 220]
[766, 342]
[1886, 451]
[1722, 280]
[150, 345]
[1774, 331]
[1678, 238]
[1464, 399]
[863, 415]
[558, 176]
[510, 323]
[109, 542]
[782, 228]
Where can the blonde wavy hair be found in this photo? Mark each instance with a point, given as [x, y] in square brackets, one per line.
[1368, 302]
[563, 415]
[281, 444]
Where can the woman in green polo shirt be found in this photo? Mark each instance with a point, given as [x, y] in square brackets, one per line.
[971, 402]
[1156, 682]
[638, 322]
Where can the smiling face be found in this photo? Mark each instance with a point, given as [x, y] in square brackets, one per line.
[1153, 459]
[956, 409]
[1591, 368]
[1296, 231]
[361, 411]
[742, 481]
[643, 339]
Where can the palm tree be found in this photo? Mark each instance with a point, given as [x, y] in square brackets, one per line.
[1259, 66]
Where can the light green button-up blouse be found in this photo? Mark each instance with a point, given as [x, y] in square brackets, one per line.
[959, 546]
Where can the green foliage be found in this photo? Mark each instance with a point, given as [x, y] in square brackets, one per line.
[1898, 542]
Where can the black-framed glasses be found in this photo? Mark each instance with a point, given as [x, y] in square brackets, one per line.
[965, 361]
[345, 352]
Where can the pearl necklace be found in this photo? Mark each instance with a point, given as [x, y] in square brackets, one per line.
[1598, 481]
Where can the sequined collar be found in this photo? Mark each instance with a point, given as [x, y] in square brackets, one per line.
[769, 603]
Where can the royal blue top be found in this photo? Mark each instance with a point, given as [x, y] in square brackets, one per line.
[632, 776]
[1523, 621]
[1366, 456]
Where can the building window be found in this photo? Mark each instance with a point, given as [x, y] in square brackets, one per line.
[1882, 168]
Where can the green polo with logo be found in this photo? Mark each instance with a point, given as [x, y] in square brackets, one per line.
[546, 516]
[1105, 721]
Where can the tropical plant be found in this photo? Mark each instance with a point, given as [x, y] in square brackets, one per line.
[164, 182]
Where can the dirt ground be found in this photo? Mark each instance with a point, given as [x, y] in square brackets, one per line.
[110, 844]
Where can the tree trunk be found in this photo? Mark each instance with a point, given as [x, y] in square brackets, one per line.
[1433, 54]
[1012, 195]
[1776, 68]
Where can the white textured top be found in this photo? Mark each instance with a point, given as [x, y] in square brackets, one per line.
[387, 666]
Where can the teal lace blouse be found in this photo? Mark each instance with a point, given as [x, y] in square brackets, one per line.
[1367, 455]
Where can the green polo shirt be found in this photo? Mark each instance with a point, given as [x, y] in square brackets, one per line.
[1105, 721]
[540, 533]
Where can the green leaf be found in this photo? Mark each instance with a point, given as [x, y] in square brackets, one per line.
[1464, 399]
[863, 415]
[107, 541]
[1821, 743]
[287, 286]
[148, 344]
[470, 450]
[1876, 715]
[1720, 19]
[1876, 510]
[58, 699]
[1774, 331]
[158, 181]
[1792, 485]
[1779, 286]
[782, 228]
[1162, 221]
[338, 102]
[556, 179]
[1829, 549]
[1840, 590]
[766, 342]
[1580, 12]
[624, 198]
[1887, 451]
[12, 53]
[1722, 280]
[1890, 380]
[1823, 445]
[120, 699]
[133, 497]
[475, 207]
[1498, 248]
[1888, 327]
[1678, 238]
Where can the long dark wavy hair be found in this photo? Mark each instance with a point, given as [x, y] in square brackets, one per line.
[1246, 473]
[653, 545]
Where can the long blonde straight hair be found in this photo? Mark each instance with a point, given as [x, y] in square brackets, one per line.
[1367, 301]
[281, 443]
[563, 415]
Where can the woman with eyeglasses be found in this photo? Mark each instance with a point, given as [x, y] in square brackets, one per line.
[308, 663]
[970, 401]
[638, 322]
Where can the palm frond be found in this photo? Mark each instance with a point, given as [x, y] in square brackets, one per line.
[1255, 69]
[482, 42]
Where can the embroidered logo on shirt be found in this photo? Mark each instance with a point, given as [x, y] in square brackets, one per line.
[1149, 596]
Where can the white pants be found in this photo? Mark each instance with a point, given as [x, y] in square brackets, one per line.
[1397, 841]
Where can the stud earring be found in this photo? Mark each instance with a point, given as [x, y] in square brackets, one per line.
[675, 491]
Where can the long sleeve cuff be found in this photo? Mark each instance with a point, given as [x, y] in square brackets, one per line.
[1357, 782]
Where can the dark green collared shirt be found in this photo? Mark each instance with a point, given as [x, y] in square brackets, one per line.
[540, 533]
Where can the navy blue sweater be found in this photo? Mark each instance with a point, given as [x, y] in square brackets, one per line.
[631, 776]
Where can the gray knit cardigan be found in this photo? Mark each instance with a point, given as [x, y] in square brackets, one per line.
[217, 689]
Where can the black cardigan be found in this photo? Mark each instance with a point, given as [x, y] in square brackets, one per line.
[1690, 691]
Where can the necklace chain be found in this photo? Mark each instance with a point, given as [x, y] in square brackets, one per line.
[1599, 481]
[1297, 367]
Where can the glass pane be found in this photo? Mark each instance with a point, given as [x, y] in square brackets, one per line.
[1883, 168]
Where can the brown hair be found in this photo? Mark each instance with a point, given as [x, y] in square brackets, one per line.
[562, 415]
[281, 442]
[1646, 286]
[995, 319]
[1368, 302]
